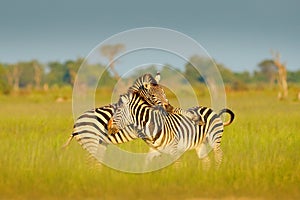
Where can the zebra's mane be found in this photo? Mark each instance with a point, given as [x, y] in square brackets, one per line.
[142, 99]
[139, 82]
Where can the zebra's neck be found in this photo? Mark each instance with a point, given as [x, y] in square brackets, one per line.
[147, 118]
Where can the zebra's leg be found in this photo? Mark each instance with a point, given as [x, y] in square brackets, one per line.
[206, 163]
[216, 145]
[100, 154]
[145, 138]
[218, 155]
[93, 163]
[177, 150]
[96, 158]
[95, 149]
[142, 135]
[202, 152]
[151, 155]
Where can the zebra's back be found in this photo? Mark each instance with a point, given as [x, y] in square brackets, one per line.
[90, 129]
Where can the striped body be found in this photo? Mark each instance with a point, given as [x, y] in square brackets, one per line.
[172, 133]
[90, 129]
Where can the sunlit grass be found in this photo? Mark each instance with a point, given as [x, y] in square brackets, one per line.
[261, 156]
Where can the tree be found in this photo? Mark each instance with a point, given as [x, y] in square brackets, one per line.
[269, 70]
[4, 86]
[168, 72]
[294, 76]
[243, 76]
[38, 73]
[8, 74]
[282, 75]
[205, 64]
[73, 67]
[227, 75]
[191, 73]
[13, 74]
[16, 76]
[110, 51]
[58, 74]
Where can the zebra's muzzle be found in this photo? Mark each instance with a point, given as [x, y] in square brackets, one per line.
[168, 107]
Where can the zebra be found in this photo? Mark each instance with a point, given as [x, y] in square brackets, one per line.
[91, 129]
[172, 133]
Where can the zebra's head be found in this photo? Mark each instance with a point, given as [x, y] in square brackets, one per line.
[149, 88]
[122, 116]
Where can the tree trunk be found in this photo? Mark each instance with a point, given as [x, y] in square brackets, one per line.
[16, 78]
[283, 87]
[73, 76]
[282, 79]
[9, 77]
[37, 76]
[112, 67]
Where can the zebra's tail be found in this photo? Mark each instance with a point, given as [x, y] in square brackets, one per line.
[68, 142]
[226, 110]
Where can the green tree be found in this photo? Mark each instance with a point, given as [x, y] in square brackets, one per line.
[227, 75]
[13, 74]
[58, 74]
[244, 77]
[106, 78]
[72, 66]
[258, 77]
[39, 73]
[268, 70]
[191, 73]
[169, 72]
[293, 77]
[205, 64]
[4, 85]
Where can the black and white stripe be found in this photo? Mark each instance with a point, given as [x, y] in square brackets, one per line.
[91, 128]
[172, 133]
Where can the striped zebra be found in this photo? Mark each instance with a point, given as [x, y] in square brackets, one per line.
[91, 128]
[172, 133]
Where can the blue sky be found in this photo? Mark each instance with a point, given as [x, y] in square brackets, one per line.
[238, 34]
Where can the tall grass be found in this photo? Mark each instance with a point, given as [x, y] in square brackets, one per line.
[261, 156]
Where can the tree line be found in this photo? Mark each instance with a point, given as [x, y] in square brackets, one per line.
[34, 75]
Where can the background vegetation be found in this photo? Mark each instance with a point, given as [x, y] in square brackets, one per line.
[33, 75]
[261, 155]
[261, 147]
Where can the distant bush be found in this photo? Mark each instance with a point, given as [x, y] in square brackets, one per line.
[239, 86]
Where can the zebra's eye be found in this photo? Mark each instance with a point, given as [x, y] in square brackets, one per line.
[147, 86]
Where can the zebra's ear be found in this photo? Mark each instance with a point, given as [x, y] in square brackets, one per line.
[157, 77]
[124, 99]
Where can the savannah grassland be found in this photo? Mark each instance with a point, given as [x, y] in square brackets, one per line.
[261, 155]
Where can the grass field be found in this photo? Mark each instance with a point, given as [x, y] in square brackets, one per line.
[261, 156]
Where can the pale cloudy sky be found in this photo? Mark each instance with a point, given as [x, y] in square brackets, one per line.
[238, 33]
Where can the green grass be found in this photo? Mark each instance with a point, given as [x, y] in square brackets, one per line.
[261, 156]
